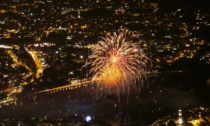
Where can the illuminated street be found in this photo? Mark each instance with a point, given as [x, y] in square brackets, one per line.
[104, 62]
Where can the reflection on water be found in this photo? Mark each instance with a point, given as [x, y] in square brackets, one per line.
[168, 92]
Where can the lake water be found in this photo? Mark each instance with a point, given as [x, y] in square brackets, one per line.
[167, 92]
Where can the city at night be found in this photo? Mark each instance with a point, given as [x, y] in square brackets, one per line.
[104, 63]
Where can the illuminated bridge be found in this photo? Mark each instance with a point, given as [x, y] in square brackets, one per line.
[80, 83]
[74, 10]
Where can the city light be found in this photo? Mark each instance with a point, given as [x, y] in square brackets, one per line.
[88, 118]
[129, 62]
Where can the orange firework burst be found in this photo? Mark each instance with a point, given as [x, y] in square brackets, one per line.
[119, 60]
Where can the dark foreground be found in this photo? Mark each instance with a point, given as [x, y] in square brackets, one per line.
[168, 92]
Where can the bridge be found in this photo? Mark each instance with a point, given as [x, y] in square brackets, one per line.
[74, 85]
[74, 10]
[13, 100]
[69, 86]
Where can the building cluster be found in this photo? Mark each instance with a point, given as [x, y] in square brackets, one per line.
[51, 40]
[192, 117]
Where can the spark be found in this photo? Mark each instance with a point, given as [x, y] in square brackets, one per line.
[119, 60]
[6, 47]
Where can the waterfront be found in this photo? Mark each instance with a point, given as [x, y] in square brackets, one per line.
[44, 46]
[167, 93]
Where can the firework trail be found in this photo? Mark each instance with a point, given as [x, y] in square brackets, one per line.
[118, 61]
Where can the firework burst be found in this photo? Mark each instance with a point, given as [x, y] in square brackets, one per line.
[119, 60]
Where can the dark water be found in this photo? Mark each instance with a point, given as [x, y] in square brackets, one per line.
[168, 92]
